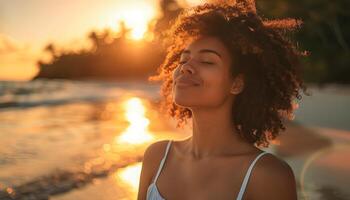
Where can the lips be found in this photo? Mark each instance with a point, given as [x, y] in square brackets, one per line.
[187, 81]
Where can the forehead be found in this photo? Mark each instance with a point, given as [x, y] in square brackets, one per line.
[207, 42]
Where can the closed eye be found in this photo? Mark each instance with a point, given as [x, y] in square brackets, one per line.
[204, 62]
[209, 63]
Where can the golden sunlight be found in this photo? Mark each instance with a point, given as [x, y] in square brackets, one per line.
[137, 132]
[136, 17]
[130, 176]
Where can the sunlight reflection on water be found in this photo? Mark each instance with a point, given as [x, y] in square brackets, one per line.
[130, 176]
[137, 132]
[103, 141]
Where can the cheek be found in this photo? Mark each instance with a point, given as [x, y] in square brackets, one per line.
[214, 80]
[215, 86]
[212, 92]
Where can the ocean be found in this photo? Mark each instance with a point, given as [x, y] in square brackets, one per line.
[64, 139]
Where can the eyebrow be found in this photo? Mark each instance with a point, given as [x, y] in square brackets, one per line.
[203, 51]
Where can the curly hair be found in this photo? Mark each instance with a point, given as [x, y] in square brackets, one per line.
[262, 52]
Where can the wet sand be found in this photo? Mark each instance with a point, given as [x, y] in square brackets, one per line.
[319, 158]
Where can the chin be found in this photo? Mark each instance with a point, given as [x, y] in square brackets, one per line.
[189, 97]
[187, 102]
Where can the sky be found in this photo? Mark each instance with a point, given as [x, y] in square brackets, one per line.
[27, 26]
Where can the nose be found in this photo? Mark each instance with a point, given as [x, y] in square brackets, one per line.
[187, 68]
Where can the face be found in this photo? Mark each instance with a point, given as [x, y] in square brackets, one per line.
[203, 78]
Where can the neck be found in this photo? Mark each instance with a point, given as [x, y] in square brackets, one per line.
[214, 134]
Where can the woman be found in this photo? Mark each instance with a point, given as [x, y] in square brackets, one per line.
[235, 76]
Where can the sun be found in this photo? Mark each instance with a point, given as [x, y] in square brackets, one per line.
[136, 17]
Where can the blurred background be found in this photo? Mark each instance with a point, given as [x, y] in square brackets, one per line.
[77, 111]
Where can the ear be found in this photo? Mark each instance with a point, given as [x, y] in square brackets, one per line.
[238, 84]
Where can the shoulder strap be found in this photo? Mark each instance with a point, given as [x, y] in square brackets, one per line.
[162, 161]
[246, 178]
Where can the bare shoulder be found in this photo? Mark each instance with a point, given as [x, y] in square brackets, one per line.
[272, 178]
[150, 163]
[153, 155]
[155, 151]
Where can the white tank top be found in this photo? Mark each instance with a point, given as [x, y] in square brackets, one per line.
[153, 193]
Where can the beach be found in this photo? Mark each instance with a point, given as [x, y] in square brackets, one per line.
[321, 167]
[66, 140]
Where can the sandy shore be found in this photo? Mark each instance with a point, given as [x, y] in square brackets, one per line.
[319, 158]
